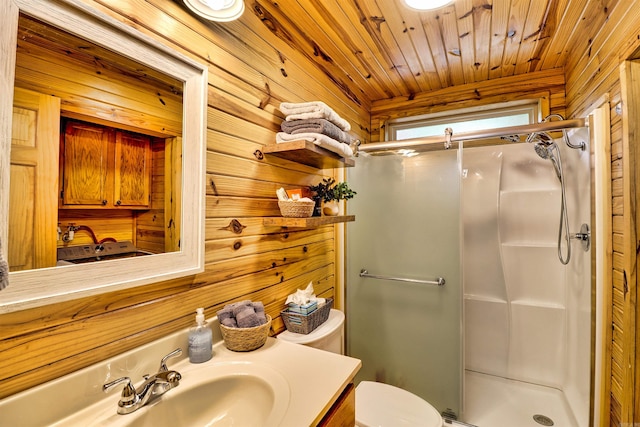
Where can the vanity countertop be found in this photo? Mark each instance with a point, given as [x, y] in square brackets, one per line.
[315, 380]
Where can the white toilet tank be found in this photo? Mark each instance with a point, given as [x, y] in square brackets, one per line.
[329, 336]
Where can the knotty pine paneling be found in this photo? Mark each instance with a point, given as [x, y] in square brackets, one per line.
[150, 224]
[611, 35]
[546, 85]
[250, 72]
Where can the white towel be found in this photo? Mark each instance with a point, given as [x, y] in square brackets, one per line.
[313, 110]
[320, 140]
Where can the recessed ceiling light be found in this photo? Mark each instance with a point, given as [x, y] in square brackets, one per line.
[427, 4]
[217, 10]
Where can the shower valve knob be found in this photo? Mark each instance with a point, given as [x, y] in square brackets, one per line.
[584, 236]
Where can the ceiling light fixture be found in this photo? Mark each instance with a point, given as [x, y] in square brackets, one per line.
[427, 4]
[217, 10]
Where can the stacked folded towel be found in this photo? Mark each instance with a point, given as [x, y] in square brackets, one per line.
[318, 123]
[243, 314]
[313, 110]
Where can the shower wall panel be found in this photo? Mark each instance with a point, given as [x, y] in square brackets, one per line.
[527, 318]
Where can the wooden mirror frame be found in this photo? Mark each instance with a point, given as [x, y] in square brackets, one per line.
[33, 288]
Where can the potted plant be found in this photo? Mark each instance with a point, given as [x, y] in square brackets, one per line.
[330, 192]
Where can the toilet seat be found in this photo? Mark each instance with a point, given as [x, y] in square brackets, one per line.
[383, 405]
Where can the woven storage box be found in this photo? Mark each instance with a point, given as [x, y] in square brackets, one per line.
[245, 339]
[301, 324]
[296, 209]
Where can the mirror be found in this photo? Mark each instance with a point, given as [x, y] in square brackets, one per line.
[115, 116]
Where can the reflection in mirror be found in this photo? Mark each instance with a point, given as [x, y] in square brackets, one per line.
[90, 179]
[101, 122]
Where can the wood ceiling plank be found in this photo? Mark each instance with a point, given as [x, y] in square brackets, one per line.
[500, 35]
[433, 31]
[568, 19]
[448, 26]
[549, 27]
[347, 37]
[313, 31]
[368, 48]
[482, 15]
[377, 27]
[295, 29]
[464, 13]
[532, 32]
[517, 22]
[403, 24]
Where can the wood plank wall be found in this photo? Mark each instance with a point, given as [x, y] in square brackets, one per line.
[251, 70]
[150, 224]
[547, 86]
[593, 74]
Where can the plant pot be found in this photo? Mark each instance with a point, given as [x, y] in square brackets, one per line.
[330, 208]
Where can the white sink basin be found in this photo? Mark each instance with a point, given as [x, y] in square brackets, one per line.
[280, 384]
[210, 394]
[224, 394]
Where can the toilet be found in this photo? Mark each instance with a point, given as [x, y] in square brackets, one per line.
[377, 404]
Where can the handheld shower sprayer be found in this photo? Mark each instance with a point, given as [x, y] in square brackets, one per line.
[547, 148]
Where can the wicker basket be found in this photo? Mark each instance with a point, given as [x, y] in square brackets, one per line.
[296, 209]
[301, 324]
[245, 339]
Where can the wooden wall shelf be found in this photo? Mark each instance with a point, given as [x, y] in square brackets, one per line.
[313, 221]
[309, 154]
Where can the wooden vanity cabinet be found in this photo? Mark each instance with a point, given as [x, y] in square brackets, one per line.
[343, 411]
[102, 167]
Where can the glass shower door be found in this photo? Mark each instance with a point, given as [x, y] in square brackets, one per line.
[407, 226]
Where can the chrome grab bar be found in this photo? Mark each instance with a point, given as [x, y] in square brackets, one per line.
[439, 281]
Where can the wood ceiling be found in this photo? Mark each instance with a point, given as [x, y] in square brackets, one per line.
[380, 49]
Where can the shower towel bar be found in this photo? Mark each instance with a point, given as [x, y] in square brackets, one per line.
[439, 281]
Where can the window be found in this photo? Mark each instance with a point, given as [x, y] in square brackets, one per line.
[468, 120]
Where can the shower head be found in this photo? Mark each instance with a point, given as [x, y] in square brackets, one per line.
[545, 146]
[544, 150]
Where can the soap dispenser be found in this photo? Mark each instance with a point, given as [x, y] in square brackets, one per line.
[200, 340]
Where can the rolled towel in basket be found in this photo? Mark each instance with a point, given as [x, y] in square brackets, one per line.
[226, 313]
[247, 318]
[242, 314]
[229, 322]
[259, 309]
[313, 110]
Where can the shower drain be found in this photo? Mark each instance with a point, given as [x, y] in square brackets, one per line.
[542, 420]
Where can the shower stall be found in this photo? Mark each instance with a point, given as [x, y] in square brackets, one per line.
[468, 277]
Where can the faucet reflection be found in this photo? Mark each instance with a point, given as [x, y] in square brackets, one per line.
[133, 398]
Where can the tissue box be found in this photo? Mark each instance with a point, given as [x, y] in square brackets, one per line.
[305, 309]
[305, 324]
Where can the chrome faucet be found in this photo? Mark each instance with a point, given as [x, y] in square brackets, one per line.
[133, 398]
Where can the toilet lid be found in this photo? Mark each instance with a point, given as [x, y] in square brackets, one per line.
[383, 405]
[333, 323]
